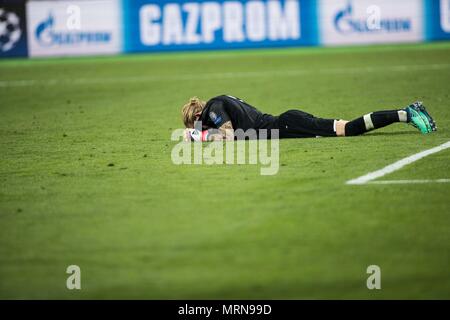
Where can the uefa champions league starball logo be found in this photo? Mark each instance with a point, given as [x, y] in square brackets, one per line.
[9, 30]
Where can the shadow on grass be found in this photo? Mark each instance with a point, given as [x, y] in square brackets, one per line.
[392, 133]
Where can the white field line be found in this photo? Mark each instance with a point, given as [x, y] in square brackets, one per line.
[409, 181]
[217, 76]
[397, 165]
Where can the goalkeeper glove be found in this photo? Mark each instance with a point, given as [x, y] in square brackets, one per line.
[196, 135]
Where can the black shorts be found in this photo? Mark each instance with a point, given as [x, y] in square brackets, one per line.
[299, 124]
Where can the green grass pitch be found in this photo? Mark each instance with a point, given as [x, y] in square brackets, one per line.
[146, 228]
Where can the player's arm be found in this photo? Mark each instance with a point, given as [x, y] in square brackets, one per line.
[226, 132]
[221, 119]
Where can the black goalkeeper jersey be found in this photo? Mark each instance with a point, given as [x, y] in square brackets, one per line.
[243, 116]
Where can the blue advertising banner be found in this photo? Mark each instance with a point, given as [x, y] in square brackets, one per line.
[181, 25]
[348, 22]
[437, 17]
[44, 28]
[13, 30]
[74, 27]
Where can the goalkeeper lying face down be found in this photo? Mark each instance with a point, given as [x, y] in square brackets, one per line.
[222, 116]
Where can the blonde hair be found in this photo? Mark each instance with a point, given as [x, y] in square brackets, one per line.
[195, 105]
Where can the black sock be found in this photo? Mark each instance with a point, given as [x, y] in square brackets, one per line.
[374, 120]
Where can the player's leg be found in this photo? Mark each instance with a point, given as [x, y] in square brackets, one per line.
[375, 120]
[340, 127]
[415, 114]
[300, 124]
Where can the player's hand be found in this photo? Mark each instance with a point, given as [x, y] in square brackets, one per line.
[195, 135]
[192, 135]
